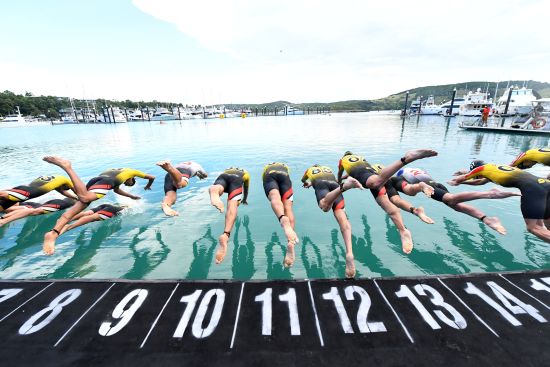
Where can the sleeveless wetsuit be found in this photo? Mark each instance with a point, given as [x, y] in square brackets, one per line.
[276, 177]
[413, 176]
[38, 187]
[187, 169]
[232, 180]
[541, 156]
[50, 206]
[107, 211]
[111, 179]
[323, 181]
[535, 191]
[357, 167]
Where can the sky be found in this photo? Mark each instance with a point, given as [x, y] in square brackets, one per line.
[251, 51]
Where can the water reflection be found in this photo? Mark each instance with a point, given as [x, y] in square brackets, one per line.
[77, 265]
[243, 254]
[276, 268]
[203, 251]
[314, 267]
[362, 250]
[338, 252]
[147, 260]
[536, 250]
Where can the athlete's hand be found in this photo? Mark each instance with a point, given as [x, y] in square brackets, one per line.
[461, 172]
[147, 187]
[307, 185]
[244, 202]
[135, 197]
[452, 183]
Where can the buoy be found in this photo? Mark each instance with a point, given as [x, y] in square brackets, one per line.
[243, 115]
[222, 116]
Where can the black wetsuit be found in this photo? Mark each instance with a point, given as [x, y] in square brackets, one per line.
[276, 177]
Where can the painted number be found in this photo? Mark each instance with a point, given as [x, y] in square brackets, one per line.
[456, 320]
[6, 294]
[290, 298]
[52, 311]
[198, 331]
[135, 298]
[511, 303]
[362, 314]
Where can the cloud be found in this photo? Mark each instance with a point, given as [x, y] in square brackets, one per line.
[364, 49]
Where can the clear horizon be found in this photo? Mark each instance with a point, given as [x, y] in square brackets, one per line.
[248, 52]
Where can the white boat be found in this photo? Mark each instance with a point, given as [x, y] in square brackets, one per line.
[112, 113]
[474, 103]
[290, 110]
[521, 101]
[429, 107]
[14, 119]
[445, 107]
[162, 114]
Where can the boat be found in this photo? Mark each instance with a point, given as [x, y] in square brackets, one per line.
[290, 110]
[444, 108]
[521, 101]
[14, 119]
[163, 114]
[475, 102]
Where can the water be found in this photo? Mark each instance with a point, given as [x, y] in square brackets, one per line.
[144, 244]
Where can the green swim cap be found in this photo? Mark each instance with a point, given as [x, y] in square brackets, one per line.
[476, 163]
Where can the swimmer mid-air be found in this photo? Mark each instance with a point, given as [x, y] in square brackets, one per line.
[38, 187]
[357, 167]
[177, 178]
[329, 196]
[234, 182]
[278, 189]
[535, 192]
[31, 208]
[96, 188]
[101, 212]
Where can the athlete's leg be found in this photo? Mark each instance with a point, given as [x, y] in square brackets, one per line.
[22, 212]
[377, 181]
[278, 208]
[403, 204]
[537, 227]
[175, 175]
[492, 222]
[327, 201]
[345, 228]
[215, 192]
[79, 187]
[223, 239]
[82, 214]
[413, 189]
[395, 215]
[51, 236]
[289, 213]
[15, 208]
[167, 202]
[81, 221]
[461, 197]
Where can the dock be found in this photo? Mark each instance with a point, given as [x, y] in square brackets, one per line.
[460, 320]
[507, 130]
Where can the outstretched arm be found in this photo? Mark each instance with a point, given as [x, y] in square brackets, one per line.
[340, 171]
[119, 191]
[246, 180]
[151, 179]
[68, 194]
[463, 179]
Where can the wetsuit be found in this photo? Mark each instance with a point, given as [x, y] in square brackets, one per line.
[111, 179]
[357, 167]
[276, 177]
[187, 169]
[413, 176]
[541, 156]
[50, 206]
[107, 211]
[389, 186]
[535, 191]
[323, 181]
[36, 188]
[233, 180]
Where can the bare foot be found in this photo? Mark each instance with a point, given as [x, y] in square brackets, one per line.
[289, 257]
[413, 155]
[222, 248]
[427, 189]
[494, 223]
[164, 164]
[497, 194]
[49, 243]
[169, 211]
[352, 183]
[406, 241]
[350, 267]
[291, 236]
[58, 161]
[217, 203]
[419, 212]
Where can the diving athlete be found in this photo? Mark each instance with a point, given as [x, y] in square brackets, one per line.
[329, 195]
[401, 203]
[532, 157]
[357, 167]
[101, 212]
[278, 189]
[177, 178]
[233, 181]
[31, 208]
[535, 192]
[96, 188]
[38, 187]
[407, 178]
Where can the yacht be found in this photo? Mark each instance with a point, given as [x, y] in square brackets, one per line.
[290, 110]
[521, 101]
[475, 102]
[162, 114]
[14, 118]
[428, 107]
[444, 107]
[111, 113]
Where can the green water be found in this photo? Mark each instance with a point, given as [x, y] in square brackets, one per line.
[143, 243]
